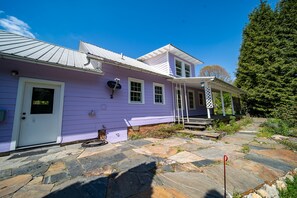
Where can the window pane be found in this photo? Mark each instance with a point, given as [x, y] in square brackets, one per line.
[191, 100]
[42, 101]
[135, 92]
[158, 94]
[178, 68]
[187, 70]
[201, 99]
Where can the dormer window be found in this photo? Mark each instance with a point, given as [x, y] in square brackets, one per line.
[182, 69]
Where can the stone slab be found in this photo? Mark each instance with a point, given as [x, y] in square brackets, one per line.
[138, 143]
[13, 184]
[26, 154]
[191, 184]
[171, 142]
[95, 162]
[277, 164]
[81, 187]
[34, 191]
[96, 150]
[60, 155]
[157, 150]
[185, 157]
[205, 162]
[33, 168]
[74, 168]
[160, 192]
[237, 180]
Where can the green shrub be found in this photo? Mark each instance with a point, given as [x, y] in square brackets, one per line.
[291, 191]
[233, 126]
[277, 126]
[289, 144]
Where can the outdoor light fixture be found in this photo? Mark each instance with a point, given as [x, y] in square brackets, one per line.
[14, 73]
[114, 84]
[202, 84]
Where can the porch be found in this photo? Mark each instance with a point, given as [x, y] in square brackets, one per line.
[192, 116]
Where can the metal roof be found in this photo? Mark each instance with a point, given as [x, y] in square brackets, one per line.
[120, 59]
[174, 50]
[13, 46]
[215, 83]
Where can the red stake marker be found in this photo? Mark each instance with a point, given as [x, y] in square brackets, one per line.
[225, 160]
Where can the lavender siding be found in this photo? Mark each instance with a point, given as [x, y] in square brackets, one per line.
[85, 92]
[160, 62]
[8, 89]
[172, 65]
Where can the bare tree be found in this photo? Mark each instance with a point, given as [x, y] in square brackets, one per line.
[217, 71]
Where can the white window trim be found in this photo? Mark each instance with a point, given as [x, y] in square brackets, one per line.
[163, 92]
[202, 100]
[194, 101]
[183, 63]
[129, 90]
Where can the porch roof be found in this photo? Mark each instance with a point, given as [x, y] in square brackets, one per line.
[213, 82]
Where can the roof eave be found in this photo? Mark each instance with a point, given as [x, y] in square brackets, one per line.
[29, 60]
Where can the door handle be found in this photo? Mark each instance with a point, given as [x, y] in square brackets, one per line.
[23, 118]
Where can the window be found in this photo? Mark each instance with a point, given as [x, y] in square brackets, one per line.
[187, 70]
[42, 101]
[136, 91]
[159, 97]
[178, 68]
[182, 69]
[201, 99]
[191, 96]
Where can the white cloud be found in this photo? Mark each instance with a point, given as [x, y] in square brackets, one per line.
[17, 26]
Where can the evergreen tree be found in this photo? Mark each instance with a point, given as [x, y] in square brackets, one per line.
[285, 65]
[253, 72]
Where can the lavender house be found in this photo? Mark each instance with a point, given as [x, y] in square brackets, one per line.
[51, 95]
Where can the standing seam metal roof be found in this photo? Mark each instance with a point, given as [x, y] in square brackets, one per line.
[20, 47]
[121, 59]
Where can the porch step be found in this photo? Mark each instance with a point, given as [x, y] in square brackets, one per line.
[198, 123]
[194, 126]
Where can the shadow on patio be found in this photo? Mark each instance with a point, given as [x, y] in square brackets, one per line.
[125, 184]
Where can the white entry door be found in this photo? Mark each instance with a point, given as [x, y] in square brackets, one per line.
[39, 114]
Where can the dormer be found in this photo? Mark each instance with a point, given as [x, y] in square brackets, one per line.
[172, 61]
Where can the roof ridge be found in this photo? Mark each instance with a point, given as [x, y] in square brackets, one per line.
[116, 53]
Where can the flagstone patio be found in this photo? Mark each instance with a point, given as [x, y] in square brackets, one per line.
[174, 167]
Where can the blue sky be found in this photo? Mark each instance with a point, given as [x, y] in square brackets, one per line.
[210, 30]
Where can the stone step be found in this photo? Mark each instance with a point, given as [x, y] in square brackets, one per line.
[194, 126]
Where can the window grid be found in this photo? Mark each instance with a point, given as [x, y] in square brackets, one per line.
[178, 67]
[158, 94]
[187, 70]
[201, 99]
[135, 92]
[191, 100]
